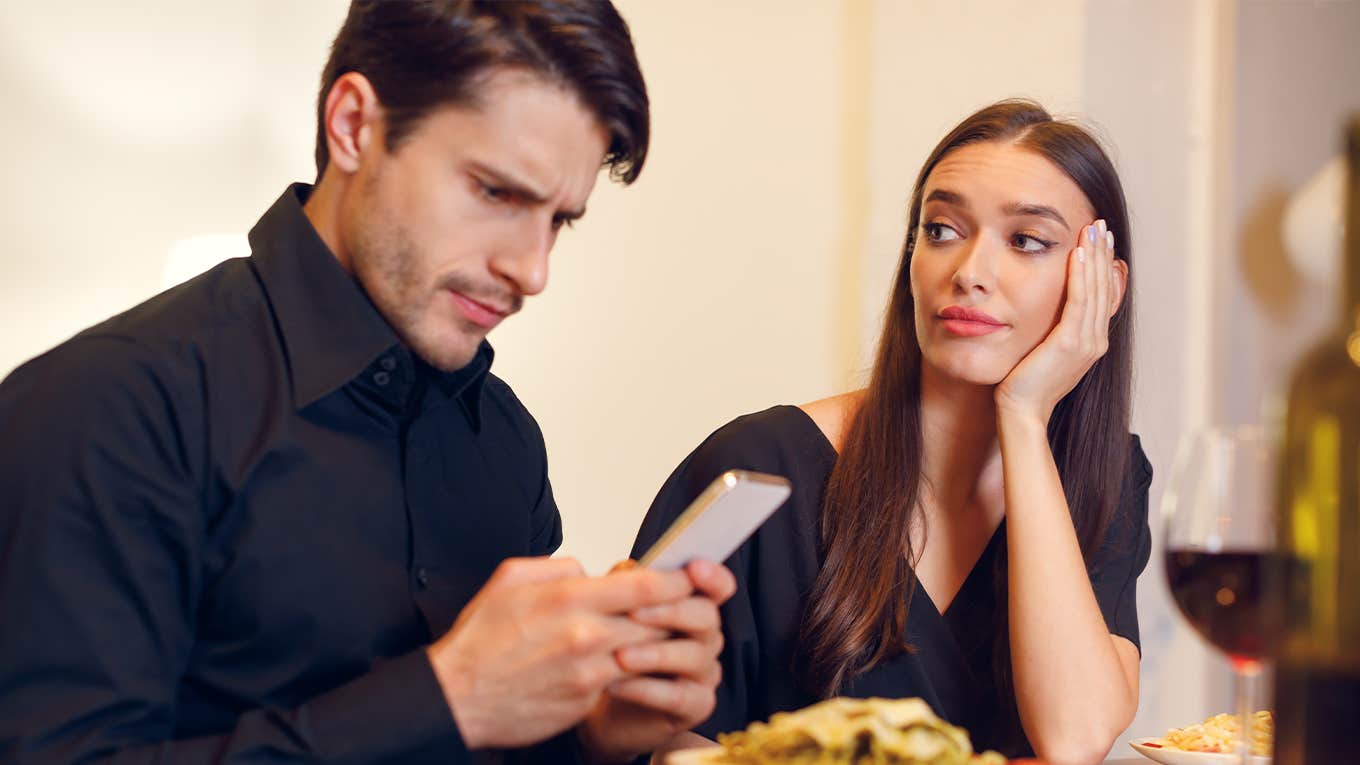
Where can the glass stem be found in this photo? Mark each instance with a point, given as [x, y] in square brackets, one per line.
[1245, 672]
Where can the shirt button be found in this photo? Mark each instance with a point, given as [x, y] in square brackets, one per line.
[422, 577]
[382, 378]
[388, 363]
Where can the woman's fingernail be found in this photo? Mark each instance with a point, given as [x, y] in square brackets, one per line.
[1109, 239]
[1091, 234]
[1101, 223]
[1081, 254]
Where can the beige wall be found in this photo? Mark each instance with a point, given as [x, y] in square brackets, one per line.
[749, 265]
[129, 126]
[701, 292]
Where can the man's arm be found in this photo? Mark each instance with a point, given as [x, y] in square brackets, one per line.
[101, 541]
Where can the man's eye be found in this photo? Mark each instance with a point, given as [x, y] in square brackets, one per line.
[493, 193]
[939, 232]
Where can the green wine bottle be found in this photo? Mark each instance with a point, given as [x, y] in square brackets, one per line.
[1317, 682]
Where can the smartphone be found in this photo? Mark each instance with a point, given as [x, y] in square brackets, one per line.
[719, 520]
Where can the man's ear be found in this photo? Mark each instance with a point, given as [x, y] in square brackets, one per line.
[1120, 284]
[353, 117]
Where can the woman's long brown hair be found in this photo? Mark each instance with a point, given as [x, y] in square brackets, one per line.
[856, 614]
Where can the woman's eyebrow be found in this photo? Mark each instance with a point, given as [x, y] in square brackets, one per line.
[948, 197]
[1013, 208]
[1042, 211]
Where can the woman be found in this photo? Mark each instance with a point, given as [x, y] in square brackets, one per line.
[970, 527]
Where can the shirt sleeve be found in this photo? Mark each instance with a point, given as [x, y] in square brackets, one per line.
[102, 533]
[544, 518]
[1125, 551]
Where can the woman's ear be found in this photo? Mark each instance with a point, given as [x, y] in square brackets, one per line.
[1120, 284]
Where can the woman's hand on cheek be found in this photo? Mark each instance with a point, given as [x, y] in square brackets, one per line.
[1081, 336]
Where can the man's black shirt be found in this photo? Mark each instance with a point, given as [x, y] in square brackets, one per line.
[232, 517]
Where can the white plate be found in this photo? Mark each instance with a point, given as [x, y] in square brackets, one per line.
[1168, 756]
[711, 755]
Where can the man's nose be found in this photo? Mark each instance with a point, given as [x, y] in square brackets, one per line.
[525, 263]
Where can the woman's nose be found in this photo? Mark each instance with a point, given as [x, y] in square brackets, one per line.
[975, 271]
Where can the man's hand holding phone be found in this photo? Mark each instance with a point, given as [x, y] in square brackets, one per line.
[669, 683]
[532, 653]
[631, 656]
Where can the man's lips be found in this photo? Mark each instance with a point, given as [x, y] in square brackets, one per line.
[969, 322]
[479, 313]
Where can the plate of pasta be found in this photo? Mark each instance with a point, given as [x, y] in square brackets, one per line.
[845, 731]
[1210, 742]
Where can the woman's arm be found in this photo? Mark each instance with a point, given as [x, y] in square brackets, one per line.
[1076, 685]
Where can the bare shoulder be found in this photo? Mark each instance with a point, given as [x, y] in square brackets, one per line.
[832, 415]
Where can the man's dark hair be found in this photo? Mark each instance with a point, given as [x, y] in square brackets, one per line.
[420, 55]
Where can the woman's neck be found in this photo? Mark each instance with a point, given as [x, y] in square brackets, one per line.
[960, 457]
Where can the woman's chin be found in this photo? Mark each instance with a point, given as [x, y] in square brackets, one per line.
[970, 371]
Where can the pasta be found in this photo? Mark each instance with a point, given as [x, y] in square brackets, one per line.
[854, 732]
[1220, 733]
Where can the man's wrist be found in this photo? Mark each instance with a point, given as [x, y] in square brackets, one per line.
[455, 684]
[593, 752]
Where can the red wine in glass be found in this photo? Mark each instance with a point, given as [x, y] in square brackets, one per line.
[1221, 551]
[1229, 598]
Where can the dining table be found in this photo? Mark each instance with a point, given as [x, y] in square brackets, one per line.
[1115, 758]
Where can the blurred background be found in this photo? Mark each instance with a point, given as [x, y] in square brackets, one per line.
[750, 264]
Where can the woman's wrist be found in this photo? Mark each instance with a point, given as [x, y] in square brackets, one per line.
[1020, 421]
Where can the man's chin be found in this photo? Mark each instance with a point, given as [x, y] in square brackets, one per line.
[450, 355]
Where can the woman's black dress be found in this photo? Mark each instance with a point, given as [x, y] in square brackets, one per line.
[952, 667]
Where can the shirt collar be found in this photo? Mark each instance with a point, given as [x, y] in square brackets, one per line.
[465, 384]
[331, 331]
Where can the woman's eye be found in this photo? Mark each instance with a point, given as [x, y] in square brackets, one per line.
[939, 232]
[1031, 244]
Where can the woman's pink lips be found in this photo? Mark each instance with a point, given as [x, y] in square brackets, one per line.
[478, 313]
[969, 322]
[970, 328]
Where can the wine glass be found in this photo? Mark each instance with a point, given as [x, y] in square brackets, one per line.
[1222, 559]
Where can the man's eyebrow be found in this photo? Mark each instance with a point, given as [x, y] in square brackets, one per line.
[522, 190]
[1041, 211]
[567, 216]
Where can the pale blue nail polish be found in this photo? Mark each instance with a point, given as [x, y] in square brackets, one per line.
[1091, 234]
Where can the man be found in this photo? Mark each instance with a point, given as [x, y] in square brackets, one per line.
[283, 512]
